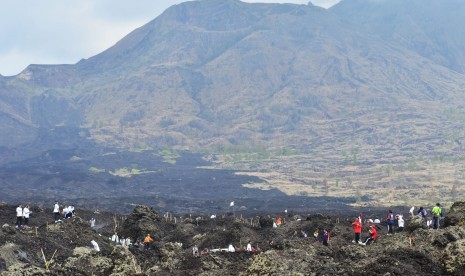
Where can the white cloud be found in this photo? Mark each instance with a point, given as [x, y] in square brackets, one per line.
[58, 32]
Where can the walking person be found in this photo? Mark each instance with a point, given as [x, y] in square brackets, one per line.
[19, 215]
[56, 212]
[26, 213]
[437, 212]
[390, 222]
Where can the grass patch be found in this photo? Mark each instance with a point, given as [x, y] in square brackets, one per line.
[96, 170]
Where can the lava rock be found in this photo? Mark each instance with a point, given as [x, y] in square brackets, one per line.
[456, 216]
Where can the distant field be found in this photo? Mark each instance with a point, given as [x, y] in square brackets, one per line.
[405, 181]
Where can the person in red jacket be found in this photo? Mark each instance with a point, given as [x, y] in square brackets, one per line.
[373, 235]
[357, 225]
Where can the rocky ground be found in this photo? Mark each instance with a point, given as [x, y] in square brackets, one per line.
[67, 247]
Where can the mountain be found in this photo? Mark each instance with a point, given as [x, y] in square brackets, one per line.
[312, 102]
[218, 73]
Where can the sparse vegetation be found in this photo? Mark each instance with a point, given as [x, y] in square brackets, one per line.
[96, 170]
[125, 172]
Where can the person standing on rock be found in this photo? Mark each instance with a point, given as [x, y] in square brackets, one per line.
[195, 251]
[56, 212]
[19, 215]
[357, 225]
[390, 222]
[400, 223]
[436, 214]
[26, 213]
[147, 241]
[326, 237]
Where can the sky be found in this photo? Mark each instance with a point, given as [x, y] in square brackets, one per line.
[64, 32]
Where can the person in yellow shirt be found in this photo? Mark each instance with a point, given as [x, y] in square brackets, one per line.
[437, 212]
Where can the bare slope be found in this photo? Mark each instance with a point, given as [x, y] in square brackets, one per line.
[431, 28]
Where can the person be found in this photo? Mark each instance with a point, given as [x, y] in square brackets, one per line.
[195, 251]
[231, 248]
[390, 222]
[294, 234]
[92, 222]
[96, 247]
[271, 244]
[128, 241]
[422, 212]
[19, 215]
[326, 237]
[249, 246]
[400, 223]
[411, 211]
[70, 212]
[65, 212]
[26, 213]
[115, 238]
[275, 225]
[56, 212]
[357, 225]
[316, 235]
[373, 235]
[147, 241]
[303, 233]
[279, 221]
[436, 211]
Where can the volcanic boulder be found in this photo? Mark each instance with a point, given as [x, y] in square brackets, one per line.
[456, 216]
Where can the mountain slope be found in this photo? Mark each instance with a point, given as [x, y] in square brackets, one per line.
[218, 73]
[431, 28]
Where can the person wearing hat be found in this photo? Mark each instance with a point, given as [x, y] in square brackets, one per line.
[373, 235]
[147, 241]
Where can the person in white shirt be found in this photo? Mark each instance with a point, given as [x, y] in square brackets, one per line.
[128, 241]
[231, 248]
[65, 212]
[249, 246]
[70, 212]
[26, 213]
[115, 238]
[56, 212]
[400, 223]
[95, 244]
[92, 222]
[19, 215]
